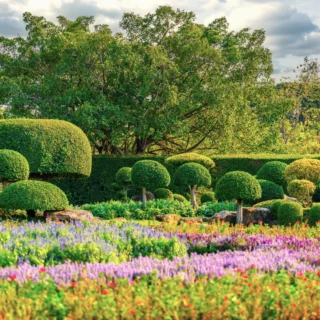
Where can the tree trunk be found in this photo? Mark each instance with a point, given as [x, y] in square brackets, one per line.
[4, 184]
[144, 197]
[239, 211]
[193, 190]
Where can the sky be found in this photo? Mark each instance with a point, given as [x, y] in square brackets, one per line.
[292, 26]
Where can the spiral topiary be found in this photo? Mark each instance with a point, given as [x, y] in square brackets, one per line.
[302, 190]
[314, 215]
[289, 213]
[33, 195]
[238, 185]
[303, 169]
[208, 197]
[13, 167]
[273, 171]
[193, 175]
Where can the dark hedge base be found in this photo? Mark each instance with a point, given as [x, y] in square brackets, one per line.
[98, 187]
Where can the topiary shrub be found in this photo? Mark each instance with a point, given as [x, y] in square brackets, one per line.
[32, 196]
[163, 193]
[208, 197]
[273, 171]
[193, 175]
[179, 197]
[316, 195]
[53, 148]
[13, 167]
[314, 215]
[240, 186]
[270, 190]
[303, 169]
[274, 208]
[149, 174]
[289, 213]
[123, 179]
[302, 190]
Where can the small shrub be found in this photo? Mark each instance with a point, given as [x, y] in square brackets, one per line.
[123, 179]
[208, 197]
[289, 213]
[163, 193]
[179, 197]
[302, 190]
[210, 208]
[314, 215]
[303, 169]
[270, 190]
[273, 171]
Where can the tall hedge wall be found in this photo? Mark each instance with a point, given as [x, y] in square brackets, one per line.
[98, 187]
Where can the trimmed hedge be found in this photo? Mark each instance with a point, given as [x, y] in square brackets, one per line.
[270, 190]
[13, 166]
[290, 212]
[52, 147]
[273, 171]
[97, 188]
[302, 190]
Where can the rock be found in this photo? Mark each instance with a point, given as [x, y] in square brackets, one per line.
[225, 216]
[138, 198]
[255, 215]
[69, 215]
[190, 220]
[167, 217]
[290, 198]
[273, 223]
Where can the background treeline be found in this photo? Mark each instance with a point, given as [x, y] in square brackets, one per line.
[165, 85]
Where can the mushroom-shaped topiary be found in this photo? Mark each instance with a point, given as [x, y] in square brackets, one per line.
[208, 197]
[163, 193]
[33, 195]
[302, 190]
[273, 171]
[13, 167]
[123, 178]
[303, 169]
[270, 190]
[193, 175]
[149, 174]
[238, 185]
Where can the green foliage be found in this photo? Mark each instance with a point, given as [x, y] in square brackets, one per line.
[33, 195]
[316, 195]
[210, 208]
[289, 213]
[302, 190]
[238, 185]
[123, 176]
[163, 193]
[52, 147]
[13, 166]
[314, 215]
[179, 197]
[273, 171]
[303, 169]
[270, 190]
[274, 208]
[208, 197]
[192, 174]
[150, 174]
[135, 210]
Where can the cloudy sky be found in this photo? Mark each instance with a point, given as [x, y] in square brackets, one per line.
[292, 26]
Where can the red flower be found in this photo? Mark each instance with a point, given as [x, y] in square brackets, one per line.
[73, 284]
[13, 277]
[42, 269]
[112, 284]
[105, 292]
[132, 311]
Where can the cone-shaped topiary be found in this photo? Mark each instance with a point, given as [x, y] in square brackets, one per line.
[238, 185]
[314, 215]
[290, 212]
[302, 190]
[149, 175]
[303, 169]
[193, 175]
[33, 195]
[270, 190]
[13, 167]
[273, 171]
[163, 193]
[123, 178]
[208, 197]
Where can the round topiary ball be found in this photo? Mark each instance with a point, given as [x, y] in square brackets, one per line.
[123, 176]
[33, 195]
[238, 185]
[289, 213]
[150, 174]
[13, 166]
[270, 190]
[163, 193]
[179, 197]
[303, 169]
[302, 190]
[273, 171]
[314, 215]
[208, 197]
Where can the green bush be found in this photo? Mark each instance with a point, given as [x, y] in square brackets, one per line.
[314, 215]
[316, 195]
[52, 147]
[163, 193]
[210, 208]
[302, 190]
[270, 190]
[33, 195]
[208, 197]
[123, 176]
[290, 212]
[13, 166]
[272, 205]
[179, 197]
[273, 171]
[303, 169]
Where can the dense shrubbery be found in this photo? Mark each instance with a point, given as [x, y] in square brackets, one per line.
[163, 193]
[273, 171]
[208, 197]
[179, 197]
[314, 215]
[289, 213]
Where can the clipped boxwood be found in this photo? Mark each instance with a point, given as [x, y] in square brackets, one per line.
[33, 195]
[314, 215]
[302, 190]
[179, 197]
[52, 147]
[273, 171]
[303, 169]
[208, 197]
[123, 176]
[270, 190]
[13, 166]
[163, 193]
[289, 213]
